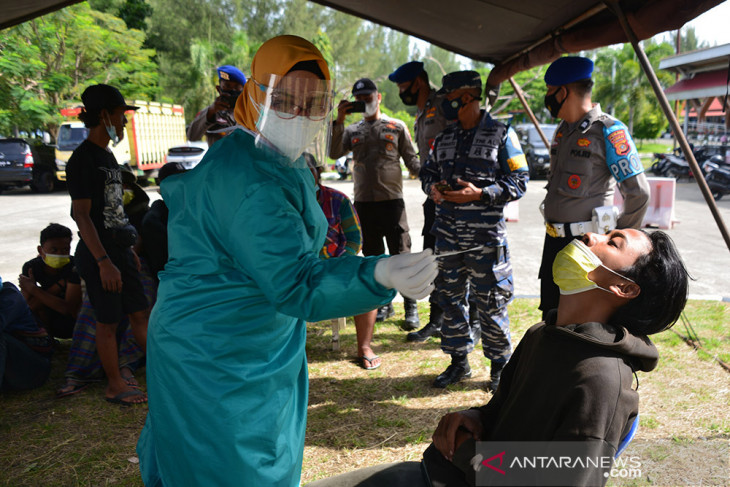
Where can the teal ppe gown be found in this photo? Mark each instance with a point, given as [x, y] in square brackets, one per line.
[226, 367]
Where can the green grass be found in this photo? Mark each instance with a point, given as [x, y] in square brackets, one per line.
[647, 150]
[359, 418]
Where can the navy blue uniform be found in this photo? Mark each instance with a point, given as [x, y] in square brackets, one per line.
[490, 157]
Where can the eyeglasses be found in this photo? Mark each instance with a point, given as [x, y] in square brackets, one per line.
[294, 98]
[315, 106]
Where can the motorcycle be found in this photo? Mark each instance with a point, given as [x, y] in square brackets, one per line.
[670, 166]
[343, 166]
[717, 175]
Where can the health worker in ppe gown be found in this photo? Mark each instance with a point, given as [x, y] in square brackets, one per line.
[226, 367]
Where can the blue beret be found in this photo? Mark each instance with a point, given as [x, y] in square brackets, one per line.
[407, 72]
[460, 79]
[567, 70]
[231, 73]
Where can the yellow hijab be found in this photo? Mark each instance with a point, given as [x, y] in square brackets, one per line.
[275, 56]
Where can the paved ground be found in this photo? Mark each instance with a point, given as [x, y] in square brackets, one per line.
[24, 214]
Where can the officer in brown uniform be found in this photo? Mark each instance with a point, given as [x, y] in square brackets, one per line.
[377, 143]
[591, 154]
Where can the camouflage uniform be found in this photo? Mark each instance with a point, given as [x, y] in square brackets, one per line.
[588, 159]
[490, 157]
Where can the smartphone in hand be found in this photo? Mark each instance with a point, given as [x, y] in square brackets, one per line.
[356, 107]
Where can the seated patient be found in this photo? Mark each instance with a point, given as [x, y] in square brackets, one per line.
[25, 347]
[570, 378]
[50, 284]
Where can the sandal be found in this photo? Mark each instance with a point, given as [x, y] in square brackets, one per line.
[129, 379]
[119, 398]
[367, 362]
[70, 388]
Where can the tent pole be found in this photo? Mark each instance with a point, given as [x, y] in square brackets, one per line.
[521, 96]
[679, 134]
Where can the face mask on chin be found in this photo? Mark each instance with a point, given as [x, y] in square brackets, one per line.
[572, 266]
[552, 103]
[56, 261]
[289, 136]
[112, 132]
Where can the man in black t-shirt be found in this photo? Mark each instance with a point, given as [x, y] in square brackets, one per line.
[104, 256]
[50, 283]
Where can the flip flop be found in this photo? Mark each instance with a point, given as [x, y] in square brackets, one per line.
[130, 379]
[75, 386]
[119, 398]
[367, 362]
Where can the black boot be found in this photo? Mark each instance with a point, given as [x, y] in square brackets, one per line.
[495, 373]
[412, 322]
[385, 312]
[430, 330]
[459, 369]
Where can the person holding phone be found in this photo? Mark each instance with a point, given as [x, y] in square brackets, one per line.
[217, 120]
[377, 143]
[475, 168]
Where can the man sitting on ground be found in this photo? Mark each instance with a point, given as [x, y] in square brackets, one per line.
[570, 378]
[50, 284]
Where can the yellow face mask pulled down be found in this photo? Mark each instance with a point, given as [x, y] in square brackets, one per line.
[572, 266]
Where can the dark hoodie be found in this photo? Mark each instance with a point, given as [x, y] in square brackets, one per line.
[563, 383]
[567, 383]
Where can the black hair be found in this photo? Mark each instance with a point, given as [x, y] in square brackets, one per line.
[664, 281]
[581, 87]
[424, 76]
[55, 230]
[312, 66]
[90, 119]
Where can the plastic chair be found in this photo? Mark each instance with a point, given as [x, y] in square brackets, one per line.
[629, 436]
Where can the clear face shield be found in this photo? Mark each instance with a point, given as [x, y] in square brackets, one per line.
[294, 117]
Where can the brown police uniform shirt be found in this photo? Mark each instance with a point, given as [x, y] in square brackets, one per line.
[580, 178]
[377, 147]
[429, 123]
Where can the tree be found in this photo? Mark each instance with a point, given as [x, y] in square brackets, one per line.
[48, 61]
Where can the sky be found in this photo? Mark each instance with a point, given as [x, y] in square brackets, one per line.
[712, 26]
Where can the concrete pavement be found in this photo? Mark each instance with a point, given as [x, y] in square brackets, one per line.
[24, 214]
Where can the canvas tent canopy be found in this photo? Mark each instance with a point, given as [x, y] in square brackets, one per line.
[512, 35]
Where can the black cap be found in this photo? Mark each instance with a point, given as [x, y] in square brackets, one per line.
[460, 79]
[170, 169]
[98, 97]
[364, 86]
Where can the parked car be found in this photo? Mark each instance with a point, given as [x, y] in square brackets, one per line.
[188, 154]
[26, 163]
[538, 156]
[16, 163]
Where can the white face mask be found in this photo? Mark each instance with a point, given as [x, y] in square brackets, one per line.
[112, 132]
[289, 136]
[371, 108]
